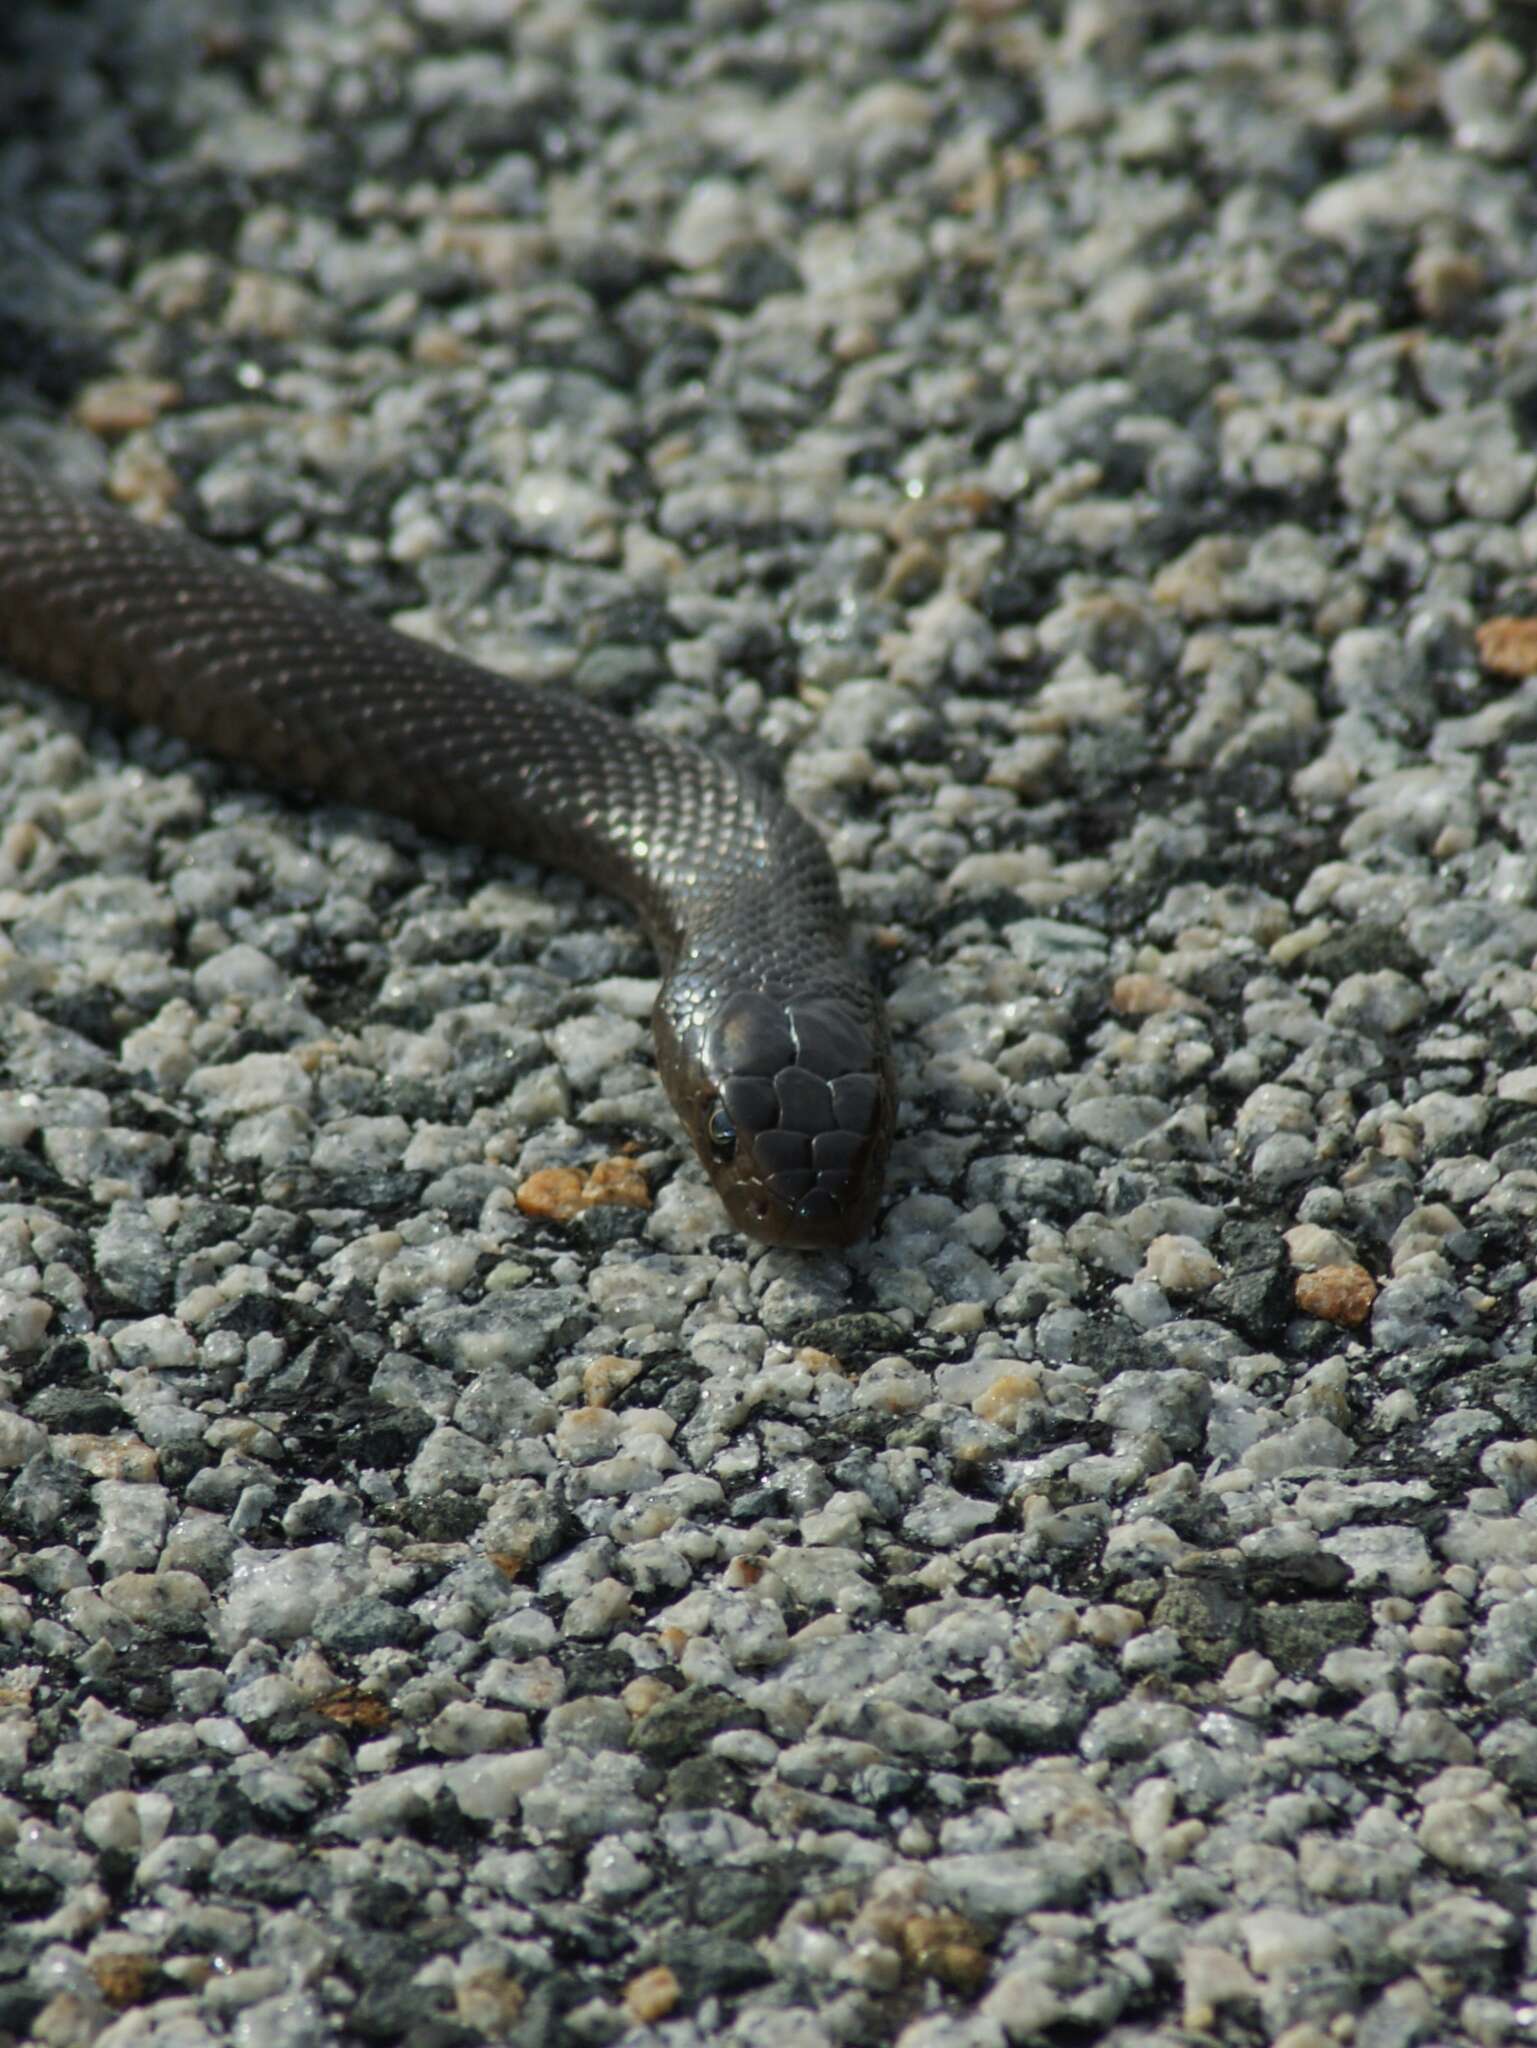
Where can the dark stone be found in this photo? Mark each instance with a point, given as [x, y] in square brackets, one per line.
[218, 1487]
[381, 1957]
[585, 1934]
[640, 619]
[654, 13]
[25, 1893]
[90, 1013]
[273, 1883]
[65, 1363]
[662, 1905]
[610, 1223]
[19, 2007]
[139, 1680]
[1308, 1339]
[854, 1336]
[682, 355]
[446, 1826]
[1199, 1519]
[325, 1368]
[380, 1902]
[376, 1435]
[448, 1518]
[88, 1411]
[382, 1191]
[23, 1177]
[201, 1221]
[1257, 1291]
[1219, 978]
[756, 1503]
[1362, 949]
[179, 1463]
[417, 2013]
[681, 1398]
[541, 2024]
[367, 1623]
[1025, 582]
[1519, 1155]
[1116, 1346]
[753, 271]
[611, 268]
[596, 1673]
[1317, 1571]
[41, 1495]
[209, 1802]
[681, 1726]
[444, 1933]
[1509, 1387]
[741, 1903]
[702, 1782]
[1211, 1621]
[1297, 1638]
[706, 1963]
[251, 1315]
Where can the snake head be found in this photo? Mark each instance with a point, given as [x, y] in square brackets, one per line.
[789, 1102]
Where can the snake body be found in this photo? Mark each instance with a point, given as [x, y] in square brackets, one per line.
[770, 1040]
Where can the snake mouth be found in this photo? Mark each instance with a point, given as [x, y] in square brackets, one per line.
[822, 1219]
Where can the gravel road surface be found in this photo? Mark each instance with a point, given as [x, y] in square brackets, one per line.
[1091, 449]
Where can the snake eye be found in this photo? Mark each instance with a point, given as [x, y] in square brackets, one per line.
[721, 1132]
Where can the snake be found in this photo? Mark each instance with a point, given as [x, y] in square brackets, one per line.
[770, 1035]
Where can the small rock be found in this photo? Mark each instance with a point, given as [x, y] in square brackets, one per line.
[1337, 1294]
[1181, 1265]
[1508, 646]
[652, 1995]
[947, 1948]
[555, 1194]
[121, 405]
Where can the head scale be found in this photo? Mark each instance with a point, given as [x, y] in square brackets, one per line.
[788, 1099]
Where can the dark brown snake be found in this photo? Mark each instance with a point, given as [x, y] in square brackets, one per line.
[770, 1041]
